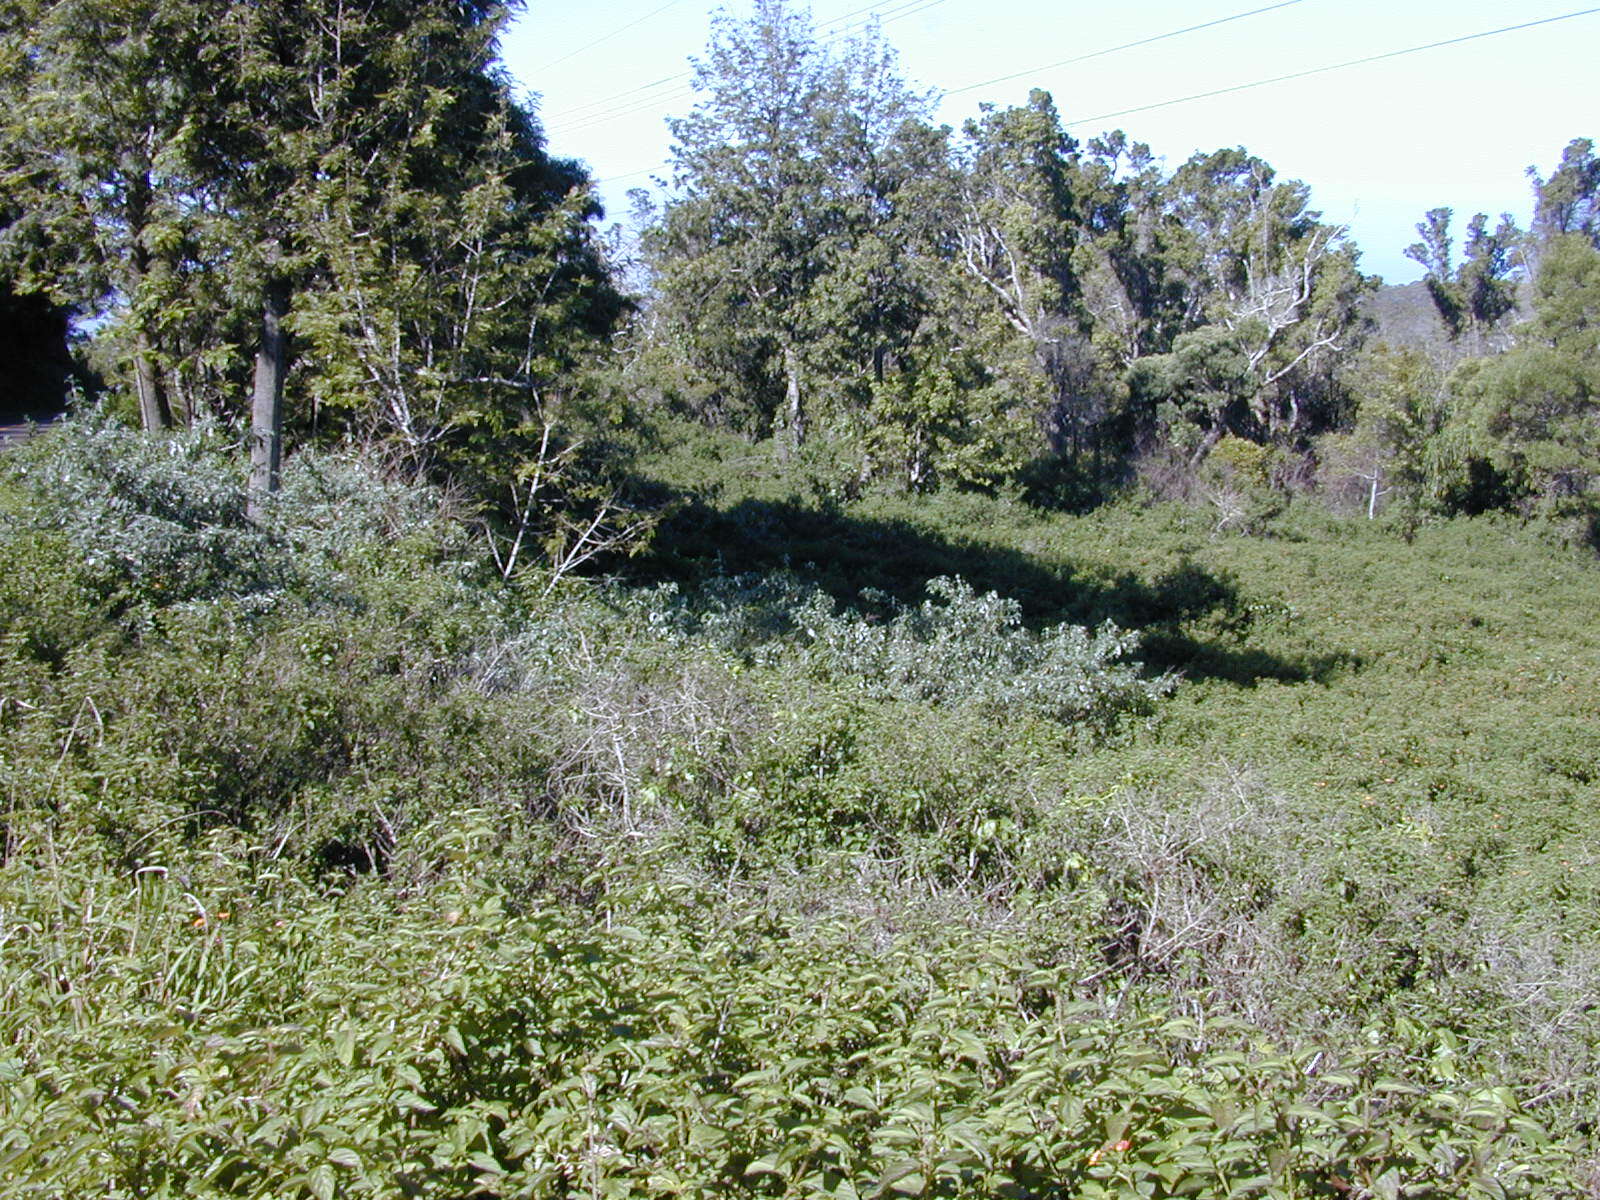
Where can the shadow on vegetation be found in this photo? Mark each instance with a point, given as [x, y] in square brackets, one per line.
[1194, 620]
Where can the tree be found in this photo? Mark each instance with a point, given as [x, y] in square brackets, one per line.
[1260, 263]
[1401, 407]
[338, 203]
[1017, 229]
[790, 262]
[1525, 429]
[392, 206]
[1476, 297]
[95, 141]
[1535, 410]
[1569, 201]
[1262, 297]
[1017, 221]
[741, 244]
[1197, 393]
[886, 166]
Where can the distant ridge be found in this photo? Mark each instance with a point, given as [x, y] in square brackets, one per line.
[1405, 316]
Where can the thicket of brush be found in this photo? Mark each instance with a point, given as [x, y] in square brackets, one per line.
[1003, 853]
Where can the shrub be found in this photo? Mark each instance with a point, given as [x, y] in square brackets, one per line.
[956, 647]
[161, 520]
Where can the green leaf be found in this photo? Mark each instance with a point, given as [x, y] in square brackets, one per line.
[413, 1102]
[321, 1182]
[909, 1184]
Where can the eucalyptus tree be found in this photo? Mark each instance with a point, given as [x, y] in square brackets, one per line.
[1267, 284]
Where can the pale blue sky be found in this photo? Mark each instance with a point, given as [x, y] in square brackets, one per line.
[1379, 144]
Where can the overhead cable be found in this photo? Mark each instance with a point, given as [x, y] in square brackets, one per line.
[1160, 37]
[606, 37]
[1292, 75]
[1339, 66]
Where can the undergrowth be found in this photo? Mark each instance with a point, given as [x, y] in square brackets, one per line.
[334, 865]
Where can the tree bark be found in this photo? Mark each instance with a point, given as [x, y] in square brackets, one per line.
[1208, 443]
[154, 411]
[796, 407]
[266, 403]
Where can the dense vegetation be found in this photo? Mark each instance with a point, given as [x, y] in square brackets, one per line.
[332, 865]
[993, 675]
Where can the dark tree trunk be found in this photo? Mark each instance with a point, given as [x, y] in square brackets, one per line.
[266, 404]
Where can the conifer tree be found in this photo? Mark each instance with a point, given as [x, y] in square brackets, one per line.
[343, 202]
[784, 262]
[96, 139]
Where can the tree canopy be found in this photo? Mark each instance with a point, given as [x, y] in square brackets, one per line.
[338, 212]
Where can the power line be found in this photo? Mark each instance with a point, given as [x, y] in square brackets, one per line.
[601, 103]
[1160, 37]
[606, 37]
[897, 10]
[1354, 62]
[629, 175]
[1241, 87]
[888, 18]
[867, 8]
[631, 109]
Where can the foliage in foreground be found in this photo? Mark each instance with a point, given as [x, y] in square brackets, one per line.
[332, 866]
[375, 1041]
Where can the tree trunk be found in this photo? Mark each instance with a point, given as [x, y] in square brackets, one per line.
[154, 411]
[266, 404]
[797, 414]
[1207, 443]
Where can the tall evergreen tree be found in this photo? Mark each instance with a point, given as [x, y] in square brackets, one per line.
[742, 243]
[785, 260]
[438, 259]
[235, 180]
[96, 145]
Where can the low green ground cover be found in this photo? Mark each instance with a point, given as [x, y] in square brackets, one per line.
[1128, 860]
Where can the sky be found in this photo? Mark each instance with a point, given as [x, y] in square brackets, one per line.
[1379, 143]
